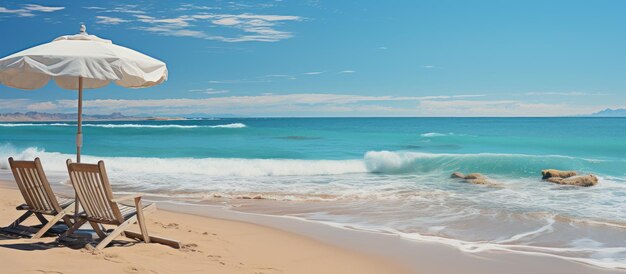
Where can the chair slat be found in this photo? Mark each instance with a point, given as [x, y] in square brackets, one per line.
[40, 190]
[35, 188]
[97, 198]
[21, 186]
[30, 189]
[94, 193]
[89, 202]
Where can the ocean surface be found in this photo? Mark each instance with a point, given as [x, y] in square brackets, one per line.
[387, 175]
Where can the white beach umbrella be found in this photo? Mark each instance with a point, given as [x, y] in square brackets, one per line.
[78, 62]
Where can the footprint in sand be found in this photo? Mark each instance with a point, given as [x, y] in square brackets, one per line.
[190, 248]
[134, 269]
[168, 226]
[267, 270]
[114, 258]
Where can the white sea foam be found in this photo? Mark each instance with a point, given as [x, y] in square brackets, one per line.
[204, 166]
[370, 197]
[232, 125]
[395, 162]
[434, 134]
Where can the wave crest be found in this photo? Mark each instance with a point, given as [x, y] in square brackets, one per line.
[232, 125]
[54, 161]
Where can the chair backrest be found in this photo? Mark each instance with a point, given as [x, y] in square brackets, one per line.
[34, 186]
[94, 192]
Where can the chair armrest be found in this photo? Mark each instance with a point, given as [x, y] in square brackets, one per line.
[126, 198]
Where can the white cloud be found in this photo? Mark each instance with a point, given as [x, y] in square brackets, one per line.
[313, 73]
[210, 91]
[226, 21]
[428, 66]
[176, 22]
[41, 8]
[265, 104]
[18, 12]
[185, 7]
[500, 108]
[346, 71]
[130, 9]
[251, 27]
[29, 10]
[315, 104]
[194, 21]
[110, 20]
[572, 93]
[42, 106]
[174, 32]
[13, 104]
[94, 8]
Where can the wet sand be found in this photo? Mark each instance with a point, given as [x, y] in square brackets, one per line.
[224, 241]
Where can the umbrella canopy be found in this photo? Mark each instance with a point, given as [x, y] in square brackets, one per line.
[80, 61]
[97, 61]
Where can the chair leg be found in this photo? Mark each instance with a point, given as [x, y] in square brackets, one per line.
[19, 220]
[141, 220]
[118, 230]
[75, 227]
[52, 222]
[68, 221]
[41, 218]
[97, 228]
[49, 225]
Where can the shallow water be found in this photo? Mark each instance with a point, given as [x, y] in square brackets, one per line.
[380, 174]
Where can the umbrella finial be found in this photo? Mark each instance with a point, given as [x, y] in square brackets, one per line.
[83, 29]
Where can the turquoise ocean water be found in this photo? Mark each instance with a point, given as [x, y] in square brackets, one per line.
[388, 175]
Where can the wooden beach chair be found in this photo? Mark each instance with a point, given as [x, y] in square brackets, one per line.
[39, 198]
[100, 207]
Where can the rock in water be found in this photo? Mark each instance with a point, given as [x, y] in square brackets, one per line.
[582, 180]
[474, 178]
[551, 173]
[457, 175]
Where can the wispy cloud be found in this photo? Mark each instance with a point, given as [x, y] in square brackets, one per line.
[346, 72]
[269, 78]
[313, 73]
[265, 104]
[210, 91]
[94, 8]
[29, 10]
[316, 104]
[167, 31]
[106, 20]
[382, 48]
[40, 8]
[194, 21]
[428, 66]
[500, 108]
[571, 93]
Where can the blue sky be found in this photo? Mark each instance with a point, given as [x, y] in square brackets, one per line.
[342, 58]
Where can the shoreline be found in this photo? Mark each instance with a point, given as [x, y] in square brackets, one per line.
[417, 255]
[210, 245]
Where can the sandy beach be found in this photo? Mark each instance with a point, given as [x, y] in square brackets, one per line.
[221, 241]
[209, 246]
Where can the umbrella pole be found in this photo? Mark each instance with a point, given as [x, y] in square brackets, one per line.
[79, 133]
[79, 140]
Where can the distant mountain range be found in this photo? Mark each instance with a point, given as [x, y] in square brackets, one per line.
[42, 116]
[619, 112]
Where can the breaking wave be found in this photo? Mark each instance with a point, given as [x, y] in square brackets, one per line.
[233, 125]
